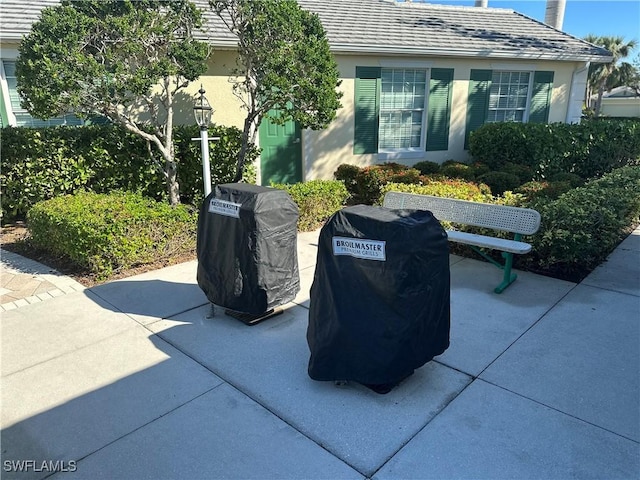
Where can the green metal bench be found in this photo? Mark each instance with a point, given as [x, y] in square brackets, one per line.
[519, 221]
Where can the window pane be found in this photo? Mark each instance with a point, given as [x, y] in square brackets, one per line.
[402, 101]
[508, 96]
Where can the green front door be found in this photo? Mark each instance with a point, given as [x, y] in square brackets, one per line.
[281, 157]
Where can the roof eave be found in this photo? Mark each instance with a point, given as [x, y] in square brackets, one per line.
[441, 52]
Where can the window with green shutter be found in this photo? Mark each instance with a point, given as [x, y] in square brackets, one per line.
[402, 110]
[507, 96]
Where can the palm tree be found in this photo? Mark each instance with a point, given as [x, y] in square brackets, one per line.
[605, 76]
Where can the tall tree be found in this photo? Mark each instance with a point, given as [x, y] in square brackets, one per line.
[122, 59]
[605, 76]
[284, 63]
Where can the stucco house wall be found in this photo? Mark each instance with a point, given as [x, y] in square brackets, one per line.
[459, 41]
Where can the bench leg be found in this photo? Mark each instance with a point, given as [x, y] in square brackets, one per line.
[508, 278]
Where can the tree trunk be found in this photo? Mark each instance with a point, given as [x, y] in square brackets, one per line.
[167, 151]
[173, 188]
[248, 138]
[599, 101]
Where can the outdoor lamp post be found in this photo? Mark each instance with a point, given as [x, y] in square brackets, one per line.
[203, 111]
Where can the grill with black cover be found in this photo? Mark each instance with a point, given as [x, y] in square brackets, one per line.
[247, 248]
[380, 299]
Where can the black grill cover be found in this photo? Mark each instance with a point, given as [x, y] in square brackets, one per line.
[246, 244]
[380, 299]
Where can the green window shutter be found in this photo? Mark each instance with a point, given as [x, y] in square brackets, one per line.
[541, 97]
[439, 112]
[478, 101]
[367, 110]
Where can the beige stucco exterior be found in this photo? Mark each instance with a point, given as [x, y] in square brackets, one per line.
[323, 151]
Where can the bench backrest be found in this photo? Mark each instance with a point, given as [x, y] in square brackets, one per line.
[499, 217]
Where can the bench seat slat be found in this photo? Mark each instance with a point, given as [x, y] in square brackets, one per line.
[502, 244]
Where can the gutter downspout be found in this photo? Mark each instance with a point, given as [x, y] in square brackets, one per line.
[577, 93]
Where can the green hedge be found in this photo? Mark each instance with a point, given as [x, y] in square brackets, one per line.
[581, 227]
[105, 233]
[317, 200]
[365, 184]
[589, 149]
[42, 163]
[449, 188]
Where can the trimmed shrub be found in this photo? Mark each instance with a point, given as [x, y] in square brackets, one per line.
[427, 168]
[573, 179]
[523, 172]
[458, 170]
[479, 168]
[364, 185]
[500, 182]
[550, 190]
[449, 188]
[317, 200]
[105, 233]
[589, 149]
[582, 226]
[347, 174]
[42, 163]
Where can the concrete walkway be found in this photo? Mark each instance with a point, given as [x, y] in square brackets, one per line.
[137, 379]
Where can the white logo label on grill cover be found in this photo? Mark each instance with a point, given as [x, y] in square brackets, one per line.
[223, 207]
[360, 248]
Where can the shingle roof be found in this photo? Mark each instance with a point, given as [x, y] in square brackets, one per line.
[418, 28]
[388, 27]
[16, 17]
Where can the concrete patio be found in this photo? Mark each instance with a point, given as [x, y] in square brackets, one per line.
[137, 379]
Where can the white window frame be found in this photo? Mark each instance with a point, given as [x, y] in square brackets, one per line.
[410, 152]
[527, 108]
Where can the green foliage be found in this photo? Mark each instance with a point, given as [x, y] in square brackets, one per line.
[500, 182]
[106, 57]
[551, 190]
[523, 173]
[347, 174]
[448, 188]
[581, 227]
[458, 170]
[94, 55]
[39, 164]
[573, 179]
[427, 168]
[317, 200]
[105, 233]
[588, 150]
[284, 63]
[222, 158]
[364, 184]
